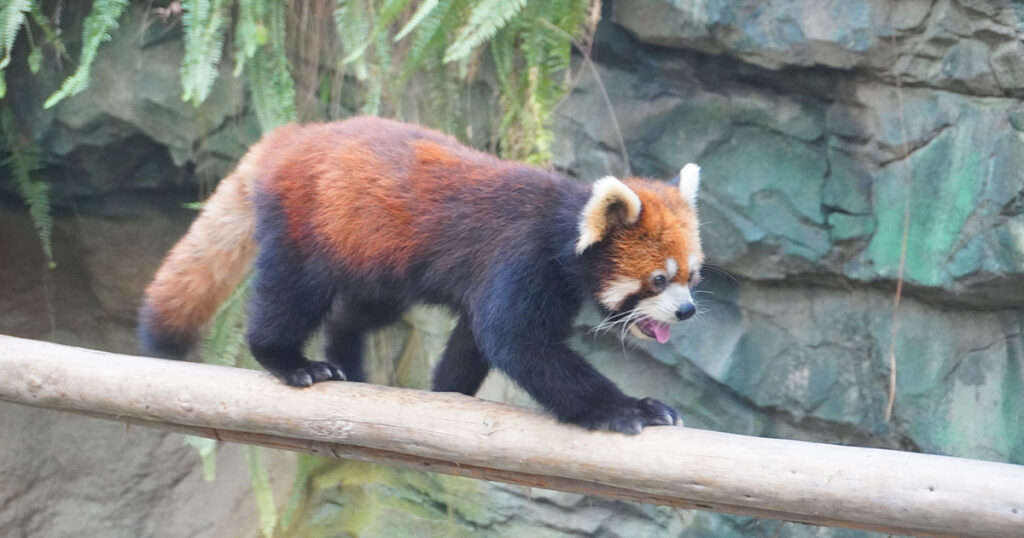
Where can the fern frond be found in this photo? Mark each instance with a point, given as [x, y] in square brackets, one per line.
[542, 34]
[446, 93]
[486, 19]
[95, 30]
[225, 341]
[421, 13]
[385, 16]
[260, 480]
[389, 12]
[26, 157]
[353, 22]
[207, 450]
[304, 467]
[50, 33]
[35, 59]
[502, 51]
[250, 32]
[36, 195]
[430, 36]
[12, 16]
[270, 82]
[379, 72]
[205, 26]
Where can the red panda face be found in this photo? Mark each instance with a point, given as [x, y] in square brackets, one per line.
[649, 263]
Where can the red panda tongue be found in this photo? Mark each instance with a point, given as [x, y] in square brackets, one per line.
[662, 331]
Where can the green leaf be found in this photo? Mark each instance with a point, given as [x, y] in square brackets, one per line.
[421, 13]
[261, 488]
[387, 13]
[50, 33]
[430, 37]
[305, 465]
[26, 157]
[250, 32]
[486, 19]
[225, 341]
[35, 59]
[95, 30]
[270, 82]
[205, 24]
[207, 449]
[12, 16]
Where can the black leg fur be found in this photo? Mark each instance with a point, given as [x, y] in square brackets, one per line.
[521, 323]
[575, 392]
[462, 367]
[344, 331]
[287, 305]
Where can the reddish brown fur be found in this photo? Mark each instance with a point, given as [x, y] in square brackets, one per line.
[667, 228]
[311, 171]
[359, 219]
[206, 265]
[336, 217]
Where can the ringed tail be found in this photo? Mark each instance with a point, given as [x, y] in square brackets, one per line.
[203, 268]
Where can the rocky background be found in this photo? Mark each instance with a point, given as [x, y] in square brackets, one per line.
[820, 127]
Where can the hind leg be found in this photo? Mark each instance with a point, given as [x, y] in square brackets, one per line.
[345, 330]
[462, 367]
[288, 303]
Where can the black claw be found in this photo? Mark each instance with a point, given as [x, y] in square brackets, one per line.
[313, 372]
[657, 413]
[319, 371]
[633, 416]
[299, 378]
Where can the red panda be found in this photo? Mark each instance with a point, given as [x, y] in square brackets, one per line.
[352, 222]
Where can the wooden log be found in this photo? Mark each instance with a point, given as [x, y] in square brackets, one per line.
[881, 490]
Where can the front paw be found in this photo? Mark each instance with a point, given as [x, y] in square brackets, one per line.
[632, 416]
[311, 372]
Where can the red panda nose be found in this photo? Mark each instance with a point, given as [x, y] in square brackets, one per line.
[686, 311]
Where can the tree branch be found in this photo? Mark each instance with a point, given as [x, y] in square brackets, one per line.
[873, 489]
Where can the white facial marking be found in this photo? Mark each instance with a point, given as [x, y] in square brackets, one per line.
[663, 306]
[671, 268]
[689, 183]
[694, 266]
[616, 291]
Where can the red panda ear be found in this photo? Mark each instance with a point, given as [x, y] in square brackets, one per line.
[611, 203]
[689, 182]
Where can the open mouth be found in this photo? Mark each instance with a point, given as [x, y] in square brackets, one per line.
[649, 328]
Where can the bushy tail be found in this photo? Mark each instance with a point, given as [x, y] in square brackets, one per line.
[203, 269]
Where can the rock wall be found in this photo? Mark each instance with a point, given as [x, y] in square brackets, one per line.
[820, 127]
[812, 156]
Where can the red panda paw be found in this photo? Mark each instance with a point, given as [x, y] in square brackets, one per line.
[632, 418]
[312, 372]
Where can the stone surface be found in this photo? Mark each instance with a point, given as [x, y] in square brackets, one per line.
[798, 185]
[131, 129]
[66, 475]
[948, 44]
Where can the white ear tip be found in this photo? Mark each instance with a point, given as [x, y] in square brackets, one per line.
[689, 182]
[689, 172]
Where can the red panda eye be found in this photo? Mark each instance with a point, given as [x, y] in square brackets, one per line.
[659, 281]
